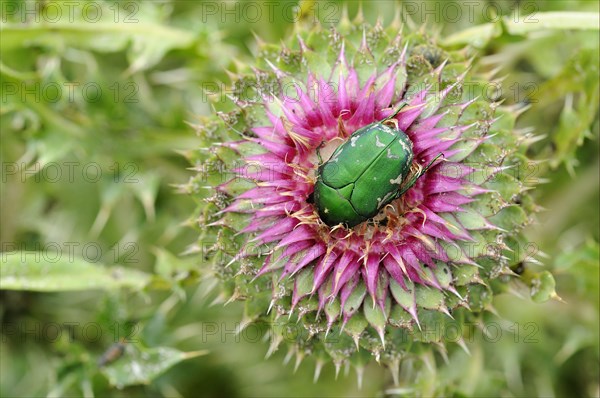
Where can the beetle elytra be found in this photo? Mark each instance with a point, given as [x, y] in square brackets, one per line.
[372, 168]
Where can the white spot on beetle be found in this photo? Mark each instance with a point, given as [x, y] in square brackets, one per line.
[378, 143]
[391, 155]
[397, 180]
[388, 130]
[385, 198]
[404, 146]
[353, 141]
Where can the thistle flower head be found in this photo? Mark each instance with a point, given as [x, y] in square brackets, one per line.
[424, 254]
[402, 242]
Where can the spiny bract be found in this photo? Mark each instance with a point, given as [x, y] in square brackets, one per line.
[430, 260]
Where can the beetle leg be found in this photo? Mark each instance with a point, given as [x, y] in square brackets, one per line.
[416, 176]
[391, 119]
[400, 107]
[341, 127]
[318, 151]
[393, 122]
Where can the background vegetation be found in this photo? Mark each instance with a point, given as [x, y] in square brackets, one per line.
[94, 122]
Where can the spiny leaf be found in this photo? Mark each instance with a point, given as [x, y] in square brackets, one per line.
[141, 365]
[53, 272]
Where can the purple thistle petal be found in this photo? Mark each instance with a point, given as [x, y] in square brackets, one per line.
[343, 98]
[395, 269]
[364, 112]
[300, 233]
[277, 124]
[269, 161]
[267, 133]
[428, 124]
[288, 252]
[440, 183]
[407, 116]
[283, 151]
[323, 268]
[278, 209]
[383, 282]
[315, 252]
[267, 195]
[262, 174]
[347, 290]
[420, 138]
[352, 85]
[387, 83]
[326, 99]
[439, 204]
[370, 272]
[422, 253]
[257, 224]
[279, 184]
[346, 267]
[279, 228]
[411, 260]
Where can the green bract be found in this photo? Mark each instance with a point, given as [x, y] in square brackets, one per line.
[364, 174]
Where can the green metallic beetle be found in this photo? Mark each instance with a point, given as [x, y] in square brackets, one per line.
[365, 173]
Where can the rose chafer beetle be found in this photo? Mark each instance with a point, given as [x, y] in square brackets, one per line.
[372, 168]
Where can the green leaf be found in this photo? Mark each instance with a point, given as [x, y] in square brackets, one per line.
[574, 125]
[587, 255]
[146, 192]
[141, 365]
[172, 267]
[54, 272]
[477, 36]
[480, 36]
[554, 20]
[146, 40]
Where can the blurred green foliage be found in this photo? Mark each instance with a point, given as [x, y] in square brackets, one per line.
[95, 106]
